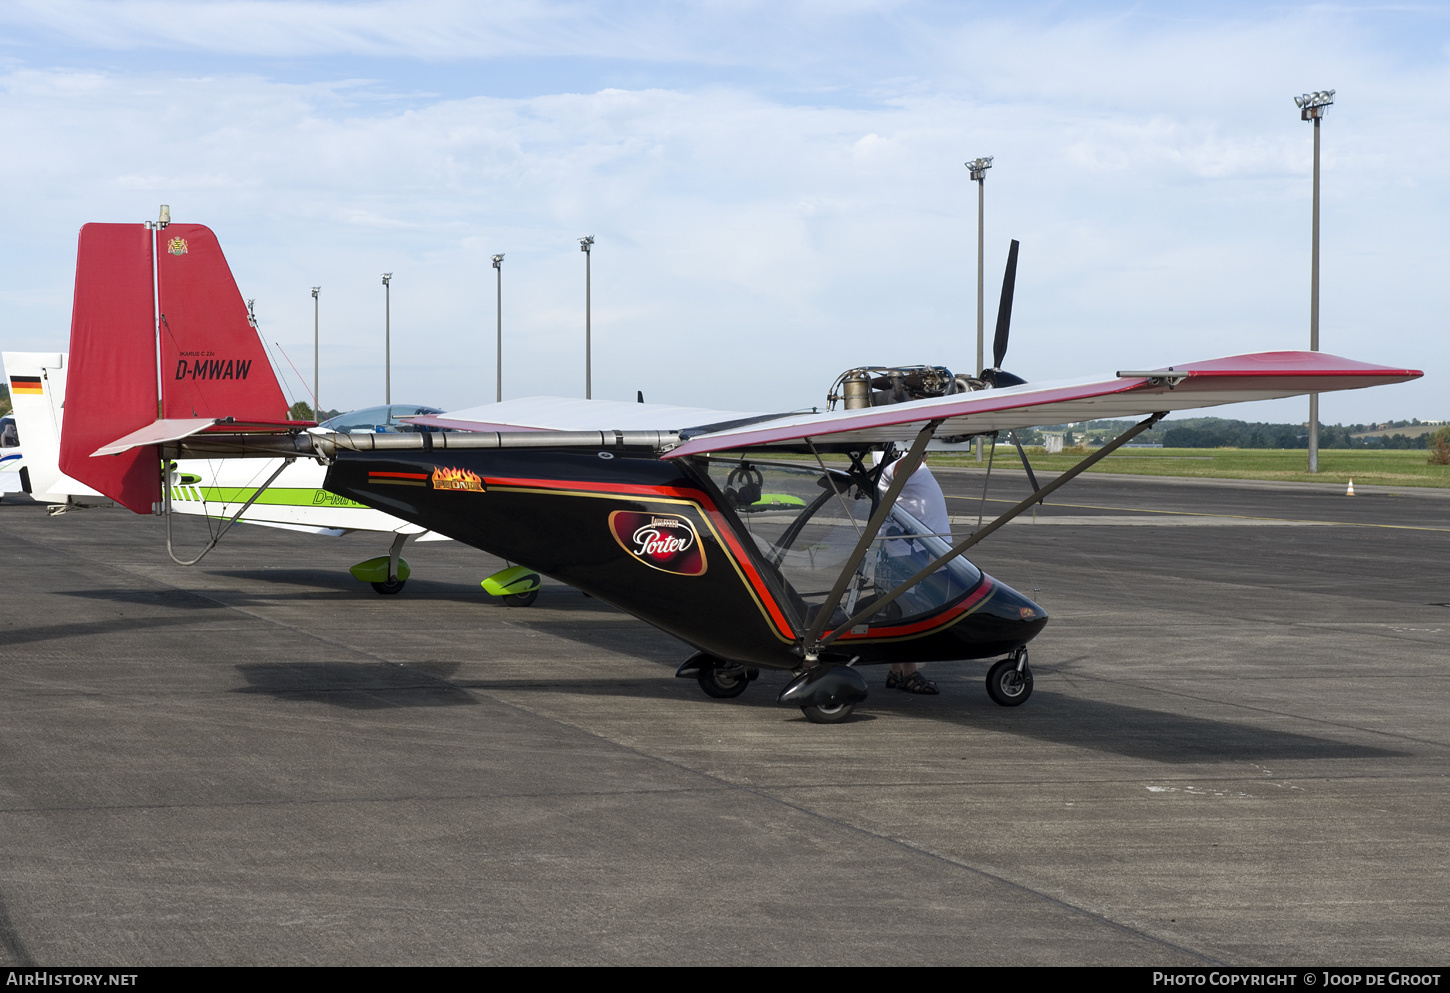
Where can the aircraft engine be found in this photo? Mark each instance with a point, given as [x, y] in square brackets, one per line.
[878, 386]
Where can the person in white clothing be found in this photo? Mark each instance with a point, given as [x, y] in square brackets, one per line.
[923, 499]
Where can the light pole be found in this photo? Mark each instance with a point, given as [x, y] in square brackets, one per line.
[387, 337]
[316, 381]
[586, 244]
[498, 268]
[979, 169]
[1311, 108]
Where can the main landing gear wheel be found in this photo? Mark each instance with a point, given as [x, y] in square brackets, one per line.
[521, 599]
[828, 715]
[390, 587]
[723, 683]
[1007, 686]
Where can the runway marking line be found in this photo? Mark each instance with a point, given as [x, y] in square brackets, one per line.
[1238, 517]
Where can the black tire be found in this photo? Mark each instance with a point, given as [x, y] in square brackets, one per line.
[521, 599]
[828, 715]
[1006, 686]
[724, 683]
[390, 587]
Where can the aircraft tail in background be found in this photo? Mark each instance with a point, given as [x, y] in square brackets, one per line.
[161, 346]
[37, 394]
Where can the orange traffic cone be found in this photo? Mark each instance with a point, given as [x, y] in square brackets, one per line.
[1350, 491]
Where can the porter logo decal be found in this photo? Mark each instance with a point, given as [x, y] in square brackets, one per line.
[667, 542]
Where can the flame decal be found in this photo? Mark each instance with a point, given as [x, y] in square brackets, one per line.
[457, 479]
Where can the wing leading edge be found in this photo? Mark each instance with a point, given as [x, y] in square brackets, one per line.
[573, 414]
[1233, 379]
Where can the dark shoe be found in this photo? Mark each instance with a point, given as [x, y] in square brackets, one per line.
[895, 681]
[917, 683]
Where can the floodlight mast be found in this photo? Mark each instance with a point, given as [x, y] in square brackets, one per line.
[316, 375]
[586, 245]
[498, 365]
[388, 338]
[979, 169]
[1311, 108]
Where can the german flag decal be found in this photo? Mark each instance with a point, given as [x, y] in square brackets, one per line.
[29, 385]
[398, 478]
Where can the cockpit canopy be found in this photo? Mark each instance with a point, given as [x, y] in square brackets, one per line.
[806, 522]
[381, 420]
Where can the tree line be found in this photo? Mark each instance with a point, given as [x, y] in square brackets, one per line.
[1219, 432]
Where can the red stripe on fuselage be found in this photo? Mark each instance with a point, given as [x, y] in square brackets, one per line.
[938, 620]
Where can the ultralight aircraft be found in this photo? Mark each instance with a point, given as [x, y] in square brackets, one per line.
[686, 518]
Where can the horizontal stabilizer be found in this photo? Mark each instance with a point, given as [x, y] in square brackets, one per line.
[176, 428]
[159, 432]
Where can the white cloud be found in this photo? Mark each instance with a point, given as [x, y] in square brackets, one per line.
[751, 244]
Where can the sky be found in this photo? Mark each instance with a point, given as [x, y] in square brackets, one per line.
[776, 190]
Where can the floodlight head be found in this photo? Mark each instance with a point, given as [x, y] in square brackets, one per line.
[498, 260]
[387, 278]
[1312, 105]
[316, 290]
[979, 167]
[586, 243]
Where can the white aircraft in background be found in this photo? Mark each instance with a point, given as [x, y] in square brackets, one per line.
[223, 489]
[14, 477]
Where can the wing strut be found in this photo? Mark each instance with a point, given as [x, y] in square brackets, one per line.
[965, 543]
[166, 492]
[1031, 476]
[902, 473]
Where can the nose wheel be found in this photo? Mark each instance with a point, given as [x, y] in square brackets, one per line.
[1009, 682]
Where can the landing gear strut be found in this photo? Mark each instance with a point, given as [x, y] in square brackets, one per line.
[1009, 682]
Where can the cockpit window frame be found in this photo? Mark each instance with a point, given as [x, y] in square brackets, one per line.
[859, 476]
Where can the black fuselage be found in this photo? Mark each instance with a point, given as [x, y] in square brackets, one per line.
[659, 540]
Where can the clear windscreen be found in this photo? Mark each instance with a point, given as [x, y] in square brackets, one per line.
[380, 420]
[806, 522]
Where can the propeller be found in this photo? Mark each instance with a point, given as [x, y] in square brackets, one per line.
[995, 375]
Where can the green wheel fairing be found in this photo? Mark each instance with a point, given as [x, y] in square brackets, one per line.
[375, 570]
[514, 580]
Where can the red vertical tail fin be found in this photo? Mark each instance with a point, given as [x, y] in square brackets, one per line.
[212, 363]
